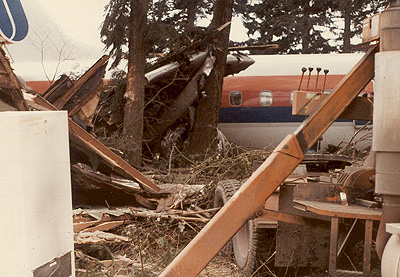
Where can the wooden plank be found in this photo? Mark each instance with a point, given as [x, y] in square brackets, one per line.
[332, 209]
[367, 247]
[60, 102]
[113, 159]
[283, 217]
[105, 226]
[89, 104]
[98, 237]
[268, 177]
[83, 225]
[333, 245]
[92, 144]
[54, 87]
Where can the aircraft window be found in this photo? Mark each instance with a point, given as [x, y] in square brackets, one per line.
[235, 98]
[265, 98]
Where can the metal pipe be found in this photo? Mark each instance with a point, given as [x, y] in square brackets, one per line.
[310, 69]
[303, 70]
[326, 71]
[316, 82]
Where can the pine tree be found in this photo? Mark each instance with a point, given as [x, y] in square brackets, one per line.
[295, 25]
[353, 12]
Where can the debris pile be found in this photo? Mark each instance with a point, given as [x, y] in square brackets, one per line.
[178, 200]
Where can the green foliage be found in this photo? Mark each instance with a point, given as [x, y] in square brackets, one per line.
[353, 12]
[170, 25]
[298, 25]
[115, 28]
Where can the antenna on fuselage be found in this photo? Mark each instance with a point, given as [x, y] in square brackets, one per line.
[310, 69]
[326, 71]
[316, 82]
[303, 70]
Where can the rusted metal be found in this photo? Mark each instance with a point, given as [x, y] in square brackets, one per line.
[90, 144]
[303, 245]
[60, 102]
[286, 157]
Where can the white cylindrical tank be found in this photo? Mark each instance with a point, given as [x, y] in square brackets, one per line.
[391, 254]
[35, 195]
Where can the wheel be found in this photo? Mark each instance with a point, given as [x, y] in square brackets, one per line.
[246, 243]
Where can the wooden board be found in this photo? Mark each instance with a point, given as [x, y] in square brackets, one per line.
[338, 210]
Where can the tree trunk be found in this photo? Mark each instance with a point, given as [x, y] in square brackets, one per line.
[204, 134]
[191, 10]
[346, 32]
[134, 95]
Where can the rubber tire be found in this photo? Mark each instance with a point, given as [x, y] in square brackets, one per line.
[246, 243]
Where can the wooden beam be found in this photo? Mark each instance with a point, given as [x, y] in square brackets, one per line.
[60, 102]
[280, 216]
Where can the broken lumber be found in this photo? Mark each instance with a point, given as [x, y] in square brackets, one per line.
[105, 226]
[10, 91]
[98, 237]
[89, 144]
[76, 87]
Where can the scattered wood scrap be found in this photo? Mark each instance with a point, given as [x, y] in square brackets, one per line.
[91, 220]
[97, 237]
[177, 195]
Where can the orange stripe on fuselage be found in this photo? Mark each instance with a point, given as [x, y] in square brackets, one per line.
[280, 86]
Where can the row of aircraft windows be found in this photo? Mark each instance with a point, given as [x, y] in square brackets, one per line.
[265, 97]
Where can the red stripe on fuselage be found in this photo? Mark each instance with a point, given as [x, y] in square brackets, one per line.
[280, 86]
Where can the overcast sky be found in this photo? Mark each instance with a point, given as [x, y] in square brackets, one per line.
[79, 19]
[74, 24]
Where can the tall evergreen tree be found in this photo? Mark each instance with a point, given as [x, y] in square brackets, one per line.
[353, 12]
[126, 24]
[204, 132]
[296, 25]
